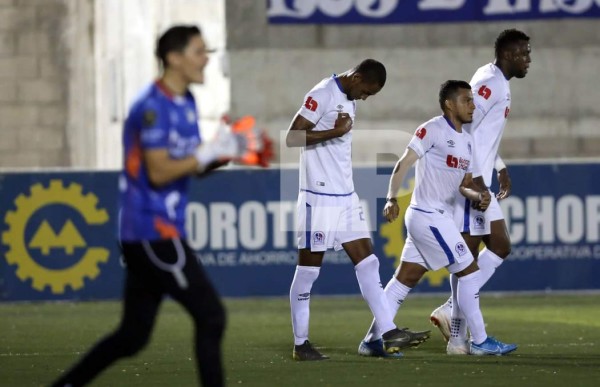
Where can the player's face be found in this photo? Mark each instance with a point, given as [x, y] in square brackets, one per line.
[362, 90]
[193, 60]
[464, 106]
[520, 59]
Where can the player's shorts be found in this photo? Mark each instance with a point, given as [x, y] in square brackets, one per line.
[473, 221]
[434, 241]
[326, 221]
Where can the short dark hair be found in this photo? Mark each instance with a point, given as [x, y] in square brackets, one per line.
[175, 38]
[507, 39]
[449, 89]
[372, 71]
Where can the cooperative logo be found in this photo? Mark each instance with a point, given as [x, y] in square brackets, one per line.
[395, 233]
[45, 236]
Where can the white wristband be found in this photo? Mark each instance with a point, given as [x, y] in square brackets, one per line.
[499, 164]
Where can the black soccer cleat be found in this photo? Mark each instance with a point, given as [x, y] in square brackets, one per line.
[397, 339]
[306, 352]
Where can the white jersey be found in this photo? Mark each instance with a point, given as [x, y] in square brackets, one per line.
[326, 168]
[445, 156]
[491, 94]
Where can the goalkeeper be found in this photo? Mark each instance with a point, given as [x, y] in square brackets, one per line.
[162, 150]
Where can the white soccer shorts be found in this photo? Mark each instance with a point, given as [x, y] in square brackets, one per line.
[473, 221]
[434, 241]
[327, 221]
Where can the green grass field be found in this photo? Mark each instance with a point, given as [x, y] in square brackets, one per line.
[559, 338]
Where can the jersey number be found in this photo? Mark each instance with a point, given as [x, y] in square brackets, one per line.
[311, 104]
[485, 92]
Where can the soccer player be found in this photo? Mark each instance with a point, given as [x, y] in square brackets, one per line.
[329, 212]
[162, 149]
[491, 91]
[444, 155]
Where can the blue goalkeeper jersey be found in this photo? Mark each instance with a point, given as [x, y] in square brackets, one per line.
[157, 119]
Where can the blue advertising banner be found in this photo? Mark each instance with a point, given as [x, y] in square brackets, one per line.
[424, 11]
[58, 233]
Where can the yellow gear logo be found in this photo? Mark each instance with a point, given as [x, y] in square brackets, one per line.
[27, 267]
[395, 235]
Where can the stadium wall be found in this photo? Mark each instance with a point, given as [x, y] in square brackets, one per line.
[58, 233]
[554, 109]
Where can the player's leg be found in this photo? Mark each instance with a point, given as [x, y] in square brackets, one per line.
[467, 219]
[458, 342]
[307, 272]
[497, 248]
[468, 300]
[198, 296]
[141, 301]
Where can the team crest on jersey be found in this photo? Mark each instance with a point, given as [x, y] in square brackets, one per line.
[340, 108]
[318, 238]
[149, 118]
[479, 222]
[460, 249]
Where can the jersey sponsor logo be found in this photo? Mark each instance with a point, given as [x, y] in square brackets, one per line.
[421, 133]
[460, 249]
[506, 112]
[457, 162]
[479, 222]
[485, 92]
[450, 143]
[318, 238]
[311, 104]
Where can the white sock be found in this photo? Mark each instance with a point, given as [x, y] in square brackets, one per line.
[395, 292]
[458, 323]
[302, 283]
[367, 273]
[488, 262]
[468, 302]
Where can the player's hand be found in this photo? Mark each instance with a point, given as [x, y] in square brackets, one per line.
[505, 184]
[484, 203]
[343, 123]
[391, 210]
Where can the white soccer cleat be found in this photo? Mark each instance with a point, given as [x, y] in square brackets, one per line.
[441, 318]
[461, 348]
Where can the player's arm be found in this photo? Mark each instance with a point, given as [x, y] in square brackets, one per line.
[474, 192]
[301, 133]
[503, 179]
[162, 169]
[408, 159]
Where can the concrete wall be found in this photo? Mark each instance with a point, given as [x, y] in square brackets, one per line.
[555, 110]
[70, 68]
[34, 83]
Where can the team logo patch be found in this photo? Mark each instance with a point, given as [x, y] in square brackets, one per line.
[303, 296]
[318, 238]
[421, 133]
[149, 118]
[311, 104]
[479, 222]
[460, 249]
[340, 108]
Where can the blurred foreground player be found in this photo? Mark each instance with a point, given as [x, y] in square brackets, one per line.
[163, 150]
